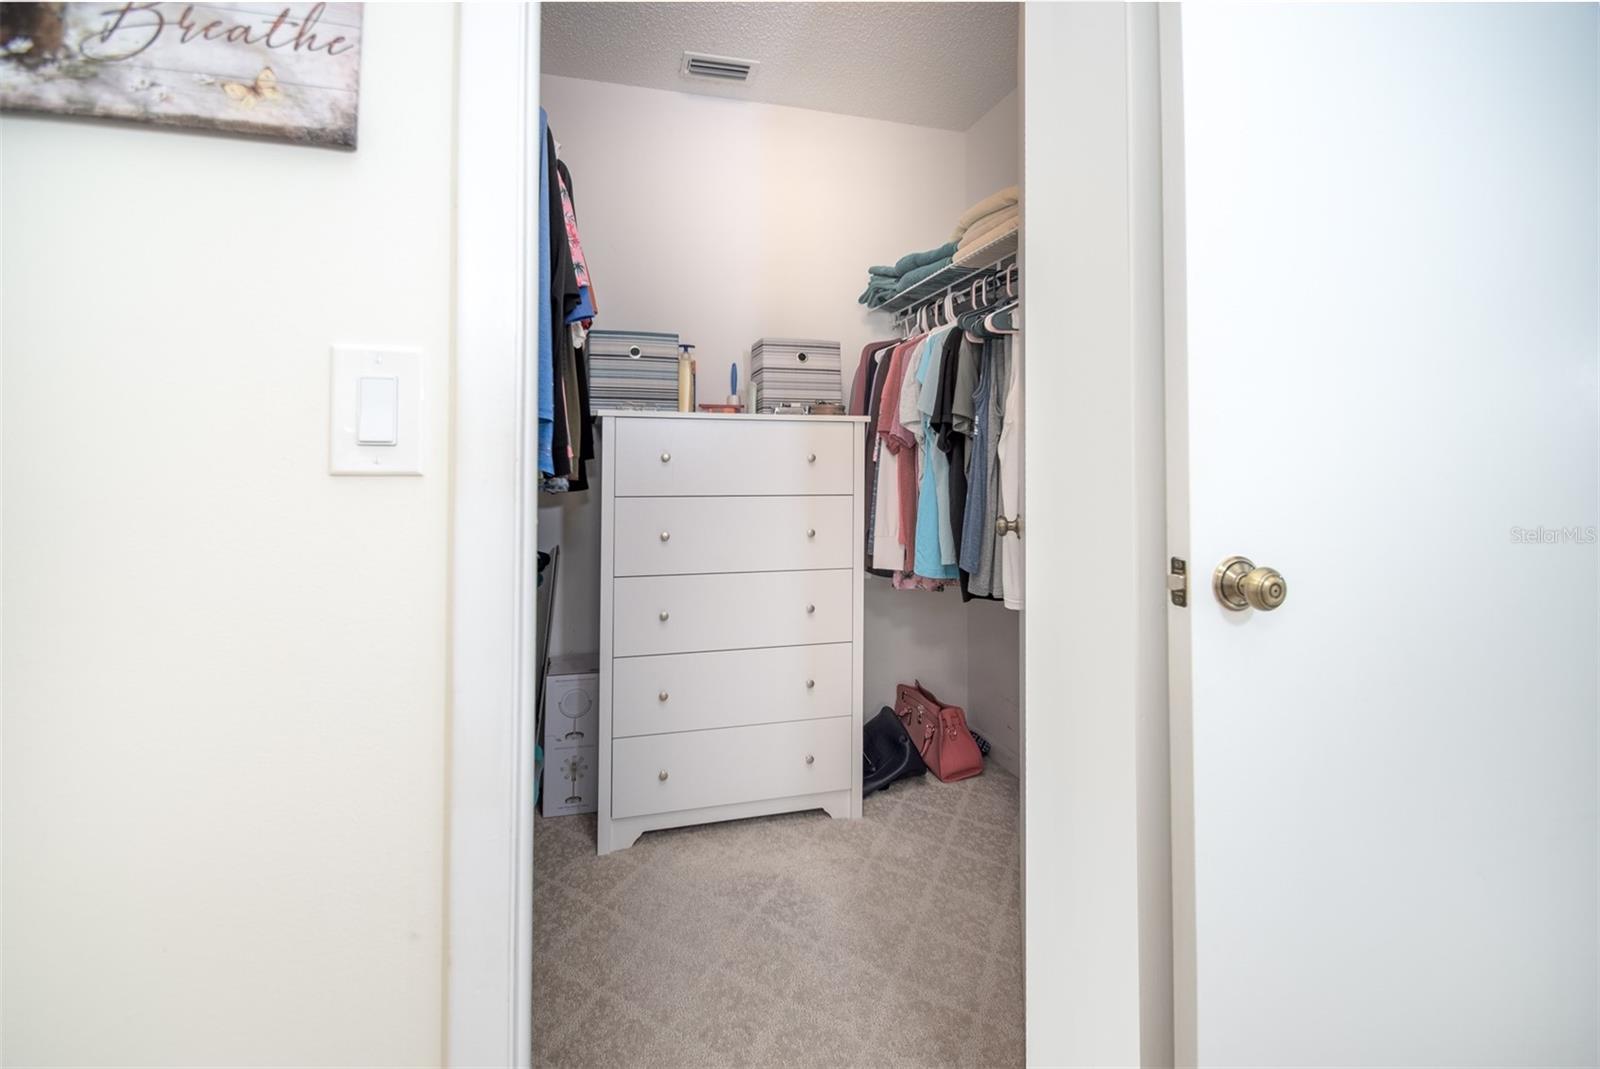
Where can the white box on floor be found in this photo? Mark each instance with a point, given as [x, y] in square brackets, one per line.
[571, 702]
[571, 777]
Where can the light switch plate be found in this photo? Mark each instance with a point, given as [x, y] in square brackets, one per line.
[346, 454]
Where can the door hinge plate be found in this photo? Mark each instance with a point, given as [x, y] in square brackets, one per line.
[1178, 582]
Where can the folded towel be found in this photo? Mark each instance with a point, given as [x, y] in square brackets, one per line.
[913, 260]
[875, 296]
[988, 205]
[970, 254]
[990, 227]
[878, 290]
[883, 282]
[912, 277]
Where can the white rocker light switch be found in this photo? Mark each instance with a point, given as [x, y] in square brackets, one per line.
[375, 412]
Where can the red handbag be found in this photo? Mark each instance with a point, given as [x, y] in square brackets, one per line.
[939, 731]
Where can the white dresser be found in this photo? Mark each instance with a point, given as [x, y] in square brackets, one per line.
[730, 619]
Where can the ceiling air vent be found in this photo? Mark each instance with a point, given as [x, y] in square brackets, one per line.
[717, 68]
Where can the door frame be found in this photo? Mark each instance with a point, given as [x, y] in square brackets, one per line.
[494, 542]
[1095, 789]
[1097, 858]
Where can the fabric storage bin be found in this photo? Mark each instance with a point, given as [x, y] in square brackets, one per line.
[795, 371]
[632, 370]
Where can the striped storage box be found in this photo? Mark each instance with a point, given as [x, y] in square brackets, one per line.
[630, 369]
[795, 371]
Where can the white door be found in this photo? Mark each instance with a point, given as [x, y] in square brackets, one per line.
[1382, 278]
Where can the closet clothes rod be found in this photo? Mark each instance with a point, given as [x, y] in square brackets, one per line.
[985, 258]
[1000, 284]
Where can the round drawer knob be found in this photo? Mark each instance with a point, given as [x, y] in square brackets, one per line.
[811, 684]
[811, 759]
[663, 616]
[811, 532]
[811, 458]
[665, 457]
[661, 697]
[662, 775]
[811, 608]
[666, 536]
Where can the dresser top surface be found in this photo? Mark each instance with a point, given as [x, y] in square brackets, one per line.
[727, 417]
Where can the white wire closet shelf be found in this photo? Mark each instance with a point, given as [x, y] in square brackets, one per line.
[985, 258]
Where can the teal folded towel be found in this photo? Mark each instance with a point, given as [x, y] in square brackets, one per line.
[912, 277]
[884, 282]
[876, 294]
[878, 291]
[913, 260]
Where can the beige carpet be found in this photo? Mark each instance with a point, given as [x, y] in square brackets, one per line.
[794, 940]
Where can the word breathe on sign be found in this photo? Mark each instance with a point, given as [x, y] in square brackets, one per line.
[292, 72]
[141, 26]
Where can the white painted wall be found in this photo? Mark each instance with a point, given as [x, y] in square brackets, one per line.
[994, 149]
[726, 221]
[224, 670]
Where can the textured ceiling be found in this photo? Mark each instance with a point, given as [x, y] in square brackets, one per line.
[941, 64]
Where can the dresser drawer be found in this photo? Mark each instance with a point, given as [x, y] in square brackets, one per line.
[695, 769]
[738, 611]
[677, 535]
[669, 457]
[732, 688]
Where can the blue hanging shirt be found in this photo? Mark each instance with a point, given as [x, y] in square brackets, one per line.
[547, 337]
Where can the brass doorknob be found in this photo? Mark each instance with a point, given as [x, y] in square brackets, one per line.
[1240, 585]
[1003, 527]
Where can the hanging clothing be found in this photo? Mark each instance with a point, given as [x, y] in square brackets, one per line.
[565, 309]
[935, 544]
[585, 309]
[546, 326]
[864, 401]
[987, 578]
[952, 442]
[888, 544]
[1011, 480]
[983, 494]
[562, 298]
[902, 433]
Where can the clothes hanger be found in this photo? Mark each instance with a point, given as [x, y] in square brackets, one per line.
[988, 320]
[980, 297]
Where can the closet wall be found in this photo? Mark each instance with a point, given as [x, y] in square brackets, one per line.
[727, 221]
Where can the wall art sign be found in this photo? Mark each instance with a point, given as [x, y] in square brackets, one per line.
[290, 71]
